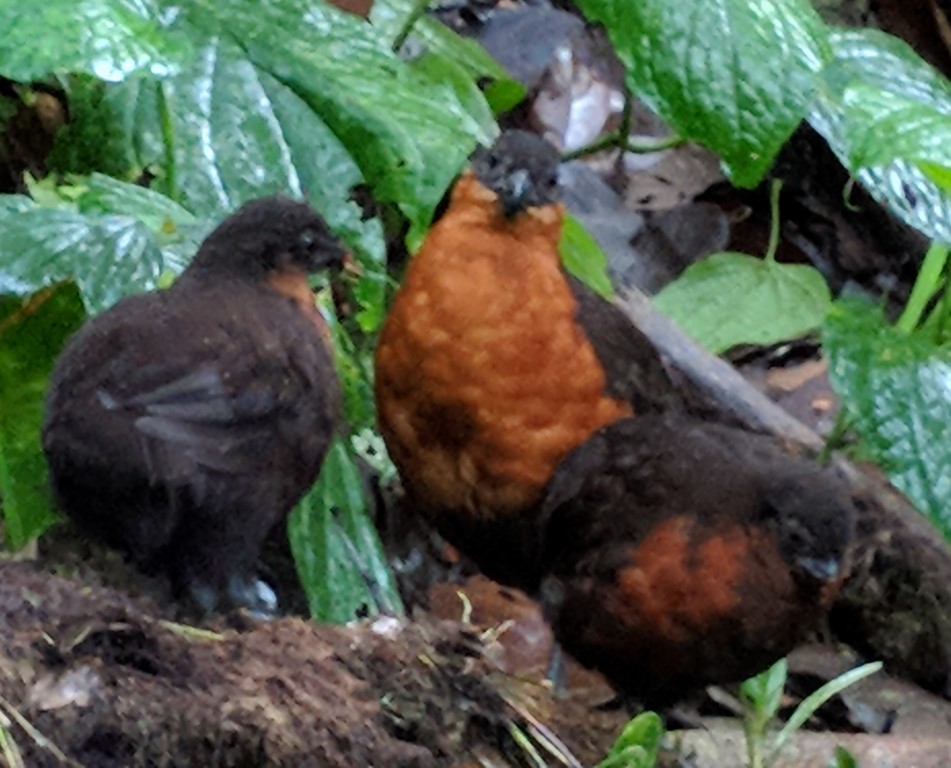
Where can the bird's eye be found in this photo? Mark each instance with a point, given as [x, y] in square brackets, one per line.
[307, 238]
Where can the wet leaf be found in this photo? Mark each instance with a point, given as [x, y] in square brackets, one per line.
[501, 91]
[731, 298]
[873, 83]
[32, 332]
[897, 387]
[764, 692]
[637, 745]
[106, 38]
[108, 256]
[737, 76]
[337, 550]
[441, 69]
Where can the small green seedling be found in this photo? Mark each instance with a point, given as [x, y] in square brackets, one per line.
[638, 743]
[842, 758]
[761, 696]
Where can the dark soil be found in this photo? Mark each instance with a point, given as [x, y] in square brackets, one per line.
[109, 682]
[96, 669]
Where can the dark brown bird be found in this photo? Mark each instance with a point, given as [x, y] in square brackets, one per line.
[682, 553]
[494, 363]
[182, 425]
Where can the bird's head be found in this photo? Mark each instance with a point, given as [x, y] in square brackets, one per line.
[521, 168]
[267, 235]
[814, 519]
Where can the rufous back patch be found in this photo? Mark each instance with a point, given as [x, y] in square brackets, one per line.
[674, 591]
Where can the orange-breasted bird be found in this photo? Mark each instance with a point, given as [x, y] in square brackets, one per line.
[494, 363]
[182, 425]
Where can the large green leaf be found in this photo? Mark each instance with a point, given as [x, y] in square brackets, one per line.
[731, 298]
[32, 331]
[108, 256]
[336, 547]
[897, 386]
[734, 75]
[408, 136]
[298, 97]
[885, 113]
[106, 38]
[292, 96]
[177, 231]
[388, 18]
[104, 194]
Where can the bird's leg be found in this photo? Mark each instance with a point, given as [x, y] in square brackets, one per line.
[557, 673]
[252, 594]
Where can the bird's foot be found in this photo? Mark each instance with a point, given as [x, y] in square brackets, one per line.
[242, 592]
[252, 594]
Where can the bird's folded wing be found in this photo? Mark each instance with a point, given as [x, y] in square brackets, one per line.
[195, 419]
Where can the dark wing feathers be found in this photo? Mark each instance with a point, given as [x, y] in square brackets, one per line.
[634, 369]
[209, 401]
[197, 415]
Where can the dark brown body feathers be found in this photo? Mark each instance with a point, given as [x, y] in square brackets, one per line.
[682, 553]
[182, 425]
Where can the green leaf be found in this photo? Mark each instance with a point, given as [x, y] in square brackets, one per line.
[731, 298]
[809, 705]
[338, 554]
[161, 214]
[408, 137]
[734, 75]
[871, 64]
[765, 691]
[899, 111]
[843, 759]
[176, 230]
[108, 256]
[106, 38]
[583, 257]
[93, 139]
[889, 126]
[503, 93]
[440, 69]
[32, 333]
[895, 386]
[354, 363]
[638, 743]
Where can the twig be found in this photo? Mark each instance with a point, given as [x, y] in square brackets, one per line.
[39, 739]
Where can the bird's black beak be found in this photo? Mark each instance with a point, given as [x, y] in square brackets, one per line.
[513, 195]
[820, 568]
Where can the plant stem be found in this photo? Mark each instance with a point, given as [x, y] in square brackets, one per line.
[640, 145]
[774, 190]
[414, 15]
[835, 440]
[926, 284]
[168, 140]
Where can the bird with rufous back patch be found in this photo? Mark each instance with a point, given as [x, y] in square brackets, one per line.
[681, 553]
[182, 425]
[493, 362]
